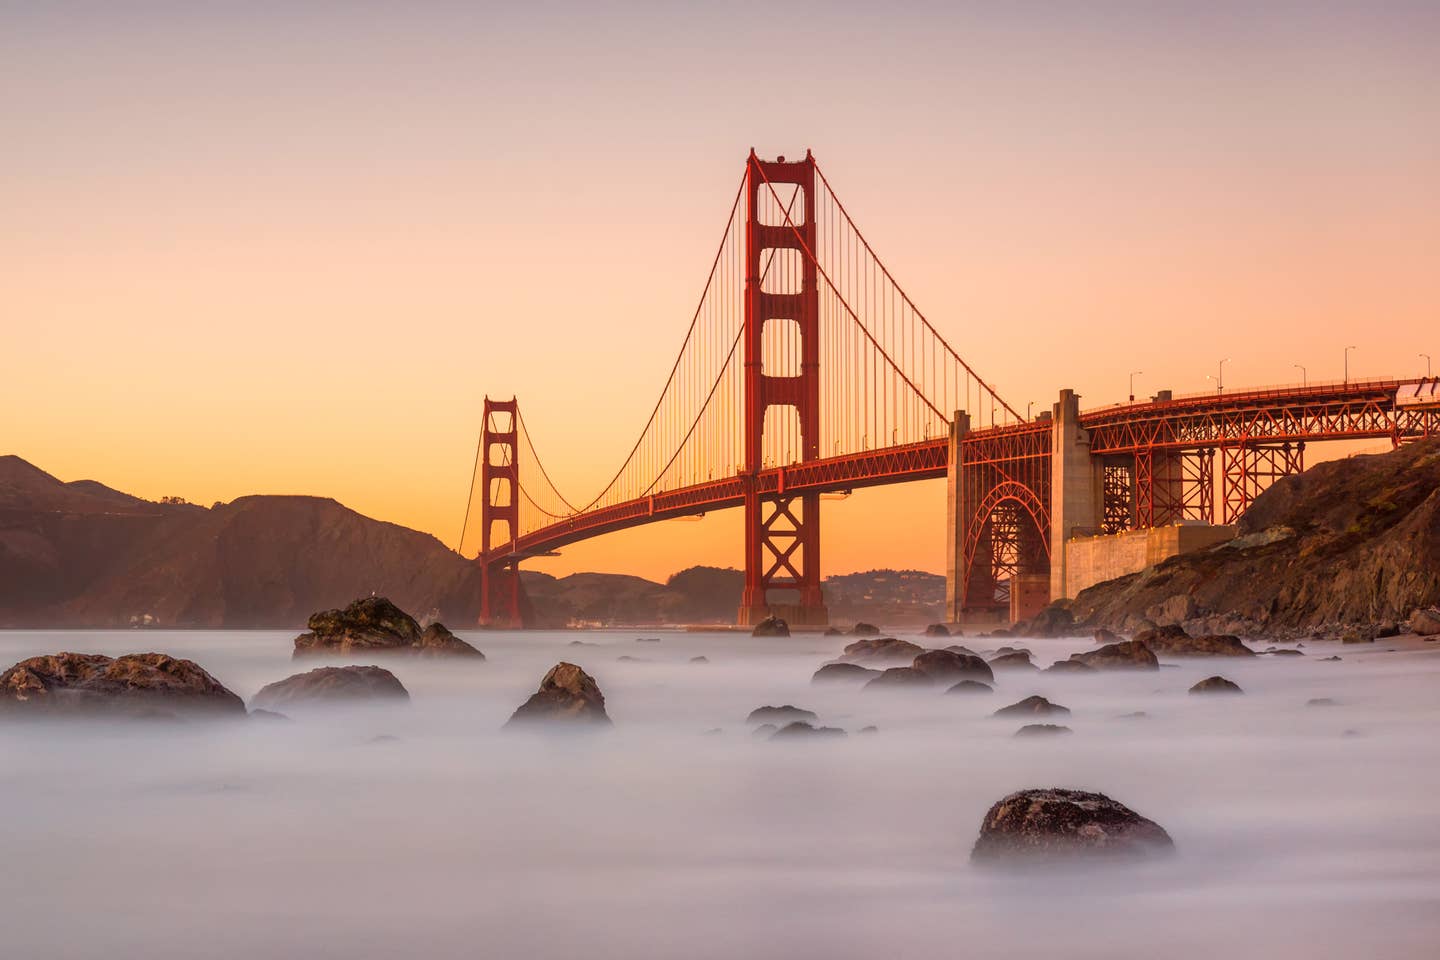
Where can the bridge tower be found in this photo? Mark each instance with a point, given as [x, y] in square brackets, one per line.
[500, 594]
[782, 532]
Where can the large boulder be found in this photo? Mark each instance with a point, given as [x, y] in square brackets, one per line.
[802, 731]
[1069, 666]
[1055, 620]
[330, 685]
[900, 678]
[937, 630]
[863, 629]
[1425, 622]
[373, 625]
[771, 627]
[1042, 730]
[843, 673]
[1040, 825]
[1184, 645]
[1128, 655]
[1212, 685]
[947, 666]
[970, 687]
[135, 685]
[881, 650]
[567, 696]
[781, 715]
[1033, 707]
[1017, 660]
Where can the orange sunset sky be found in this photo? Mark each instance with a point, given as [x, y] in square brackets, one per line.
[288, 247]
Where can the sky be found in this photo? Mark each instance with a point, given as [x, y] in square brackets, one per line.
[289, 247]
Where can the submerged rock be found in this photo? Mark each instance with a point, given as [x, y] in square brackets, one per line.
[1033, 707]
[700, 659]
[1019, 660]
[1042, 730]
[800, 730]
[937, 630]
[1069, 666]
[843, 673]
[763, 731]
[881, 650]
[971, 687]
[1216, 685]
[947, 666]
[834, 632]
[785, 714]
[567, 696]
[137, 685]
[899, 678]
[863, 629]
[375, 625]
[1321, 702]
[331, 685]
[1184, 645]
[1039, 825]
[1127, 655]
[771, 627]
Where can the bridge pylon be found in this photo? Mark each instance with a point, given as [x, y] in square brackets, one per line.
[501, 596]
[782, 531]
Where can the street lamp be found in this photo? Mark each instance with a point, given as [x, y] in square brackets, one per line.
[1427, 365]
[1304, 378]
[1220, 378]
[1133, 375]
[1347, 363]
[1029, 405]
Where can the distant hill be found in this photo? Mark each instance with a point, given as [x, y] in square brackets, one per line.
[84, 555]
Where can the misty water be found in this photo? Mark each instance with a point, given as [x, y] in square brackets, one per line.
[423, 831]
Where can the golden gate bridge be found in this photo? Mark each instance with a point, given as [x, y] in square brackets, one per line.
[806, 369]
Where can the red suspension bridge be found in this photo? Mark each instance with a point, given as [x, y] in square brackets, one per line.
[806, 369]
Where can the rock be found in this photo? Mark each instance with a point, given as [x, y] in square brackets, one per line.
[1106, 636]
[268, 715]
[1053, 621]
[1056, 824]
[137, 685]
[901, 678]
[1321, 702]
[937, 630]
[1135, 715]
[1012, 661]
[799, 730]
[581, 643]
[778, 715]
[1211, 645]
[1169, 631]
[647, 639]
[1000, 652]
[567, 695]
[882, 650]
[1216, 685]
[1284, 652]
[947, 666]
[1033, 707]
[957, 648]
[373, 625]
[331, 685]
[1334, 659]
[626, 658]
[1176, 609]
[834, 632]
[764, 731]
[713, 731]
[863, 629]
[870, 729]
[1386, 629]
[1068, 666]
[771, 627]
[1425, 622]
[843, 673]
[1042, 730]
[1355, 636]
[1126, 655]
[700, 659]
[971, 687]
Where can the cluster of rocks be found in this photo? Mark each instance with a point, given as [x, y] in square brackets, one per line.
[375, 625]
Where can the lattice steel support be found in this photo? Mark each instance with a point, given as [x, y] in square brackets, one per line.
[1249, 468]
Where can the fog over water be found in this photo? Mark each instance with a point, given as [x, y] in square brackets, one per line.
[1301, 831]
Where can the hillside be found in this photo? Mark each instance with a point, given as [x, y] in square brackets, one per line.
[1349, 543]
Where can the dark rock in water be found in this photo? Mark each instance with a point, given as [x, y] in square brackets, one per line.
[870, 729]
[626, 658]
[1033, 826]
[947, 666]
[1285, 652]
[137, 685]
[375, 625]
[1424, 622]
[647, 639]
[937, 630]
[1033, 707]
[1012, 661]
[1001, 651]
[799, 730]
[1321, 702]
[843, 673]
[567, 695]
[1054, 621]
[771, 627]
[331, 685]
[1127, 655]
[882, 650]
[268, 715]
[897, 678]
[581, 643]
[1325, 659]
[700, 659]
[968, 687]
[1068, 666]
[959, 648]
[863, 629]
[834, 632]
[1136, 715]
[764, 731]
[1107, 636]
[1184, 645]
[785, 714]
[1042, 730]
[1216, 685]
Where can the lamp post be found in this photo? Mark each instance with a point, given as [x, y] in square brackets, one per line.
[1133, 375]
[1347, 364]
[1220, 376]
[1427, 365]
[1304, 378]
[1029, 405]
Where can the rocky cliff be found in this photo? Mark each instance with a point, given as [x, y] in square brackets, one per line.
[1347, 544]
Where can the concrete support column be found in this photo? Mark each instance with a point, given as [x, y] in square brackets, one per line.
[955, 518]
[1077, 503]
